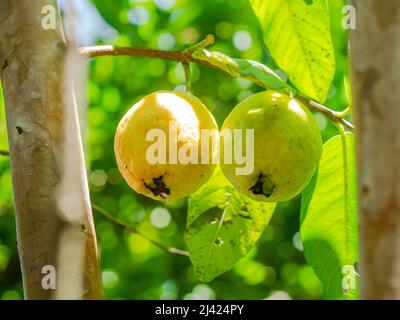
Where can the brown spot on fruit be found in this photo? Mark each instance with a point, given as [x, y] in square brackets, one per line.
[263, 186]
[158, 188]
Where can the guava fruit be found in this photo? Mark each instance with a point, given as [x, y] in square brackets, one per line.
[287, 146]
[166, 145]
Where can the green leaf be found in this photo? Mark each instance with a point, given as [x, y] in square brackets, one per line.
[297, 35]
[329, 218]
[247, 69]
[222, 226]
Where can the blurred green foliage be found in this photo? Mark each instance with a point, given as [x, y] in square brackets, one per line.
[132, 267]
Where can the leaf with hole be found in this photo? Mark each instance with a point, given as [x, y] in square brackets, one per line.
[222, 226]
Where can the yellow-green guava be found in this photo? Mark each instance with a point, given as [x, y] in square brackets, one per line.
[159, 146]
[287, 146]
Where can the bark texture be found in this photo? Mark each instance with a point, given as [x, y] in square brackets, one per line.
[375, 60]
[32, 73]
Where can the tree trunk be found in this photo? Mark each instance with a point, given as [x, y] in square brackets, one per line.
[375, 57]
[53, 214]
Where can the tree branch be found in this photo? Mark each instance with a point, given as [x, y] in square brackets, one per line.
[4, 153]
[185, 57]
[329, 113]
[131, 229]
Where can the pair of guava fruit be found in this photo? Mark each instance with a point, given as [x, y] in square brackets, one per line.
[162, 152]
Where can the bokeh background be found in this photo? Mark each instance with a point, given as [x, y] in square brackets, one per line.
[132, 267]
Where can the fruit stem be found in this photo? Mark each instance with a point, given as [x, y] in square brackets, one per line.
[188, 80]
[131, 229]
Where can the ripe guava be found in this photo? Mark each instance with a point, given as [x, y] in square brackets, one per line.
[287, 146]
[159, 146]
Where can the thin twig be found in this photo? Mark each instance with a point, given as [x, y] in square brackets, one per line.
[327, 112]
[345, 112]
[185, 57]
[105, 214]
[4, 153]
[131, 229]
